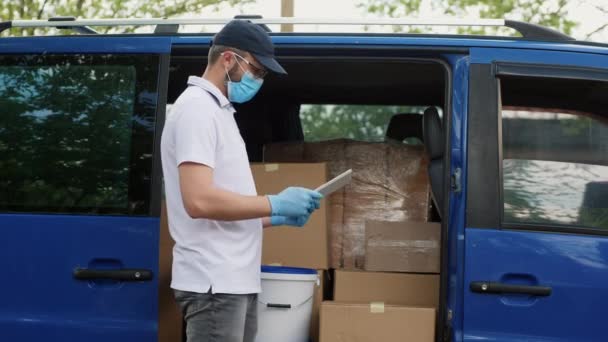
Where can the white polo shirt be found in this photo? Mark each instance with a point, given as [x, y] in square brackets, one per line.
[222, 255]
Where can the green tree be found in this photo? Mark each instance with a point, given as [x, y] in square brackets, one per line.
[358, 122]
[44, 9]
[547, 13]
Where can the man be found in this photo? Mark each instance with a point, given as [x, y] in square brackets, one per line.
[215, 215]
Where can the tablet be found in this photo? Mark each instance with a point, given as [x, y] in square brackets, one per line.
[335, 184]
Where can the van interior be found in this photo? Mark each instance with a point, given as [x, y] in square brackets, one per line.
[371, 96]
[388, 95]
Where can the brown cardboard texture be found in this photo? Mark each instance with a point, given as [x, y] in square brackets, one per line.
[402, 246]
[390, 183]
[290, 246]
[390, 288]
[316, 305]
[169, 316]
[376, 322]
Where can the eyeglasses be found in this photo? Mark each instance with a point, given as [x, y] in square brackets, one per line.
[257, 71]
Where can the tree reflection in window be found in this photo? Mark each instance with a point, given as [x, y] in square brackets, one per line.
[66, 130]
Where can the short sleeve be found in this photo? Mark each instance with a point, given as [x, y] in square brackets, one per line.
[196, 137]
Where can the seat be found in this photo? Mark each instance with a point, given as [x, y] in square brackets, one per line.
[434, 144]
[403, 126]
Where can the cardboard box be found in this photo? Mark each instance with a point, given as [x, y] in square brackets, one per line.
[390, 183]
[373, 322]
[390, 288]
[169, 316]
[402, 246]
[289, 246]
[318, 298]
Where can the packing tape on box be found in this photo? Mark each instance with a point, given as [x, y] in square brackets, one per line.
[271, 167]
[376, 307]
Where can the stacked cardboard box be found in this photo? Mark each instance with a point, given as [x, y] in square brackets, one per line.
[396, 305]
[366, 226]
[297, 247]
[381, 306]
[288, 246]
[390, 183]
[390, 288]
[378, 224]
[351, 322]
[402, 246]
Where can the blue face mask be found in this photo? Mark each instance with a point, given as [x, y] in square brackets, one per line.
[245, 90]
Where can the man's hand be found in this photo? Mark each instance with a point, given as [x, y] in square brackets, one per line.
[294, 202]
[297, 221]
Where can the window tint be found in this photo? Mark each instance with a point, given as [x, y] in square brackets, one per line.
[358, 122]
[555, 158]
[76, 133]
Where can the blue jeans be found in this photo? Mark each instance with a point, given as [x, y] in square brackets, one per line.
[218, 317]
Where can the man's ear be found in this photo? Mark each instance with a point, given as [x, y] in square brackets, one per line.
[227, 60]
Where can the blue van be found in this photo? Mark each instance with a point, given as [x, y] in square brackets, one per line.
[516, 130]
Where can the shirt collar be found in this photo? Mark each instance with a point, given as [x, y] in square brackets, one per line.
[211, 89]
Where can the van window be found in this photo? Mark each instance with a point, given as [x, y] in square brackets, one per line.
[555, 158]
[357, 122]
[76, 133]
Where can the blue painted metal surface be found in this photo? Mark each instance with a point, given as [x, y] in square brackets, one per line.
[414, 42]
[76, 44]
[576, 267]
[489, 55]
[456, 214]
[41, 301]
[45, 301]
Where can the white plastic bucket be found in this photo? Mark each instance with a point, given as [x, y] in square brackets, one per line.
[285, 304]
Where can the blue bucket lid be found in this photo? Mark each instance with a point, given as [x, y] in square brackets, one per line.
[287, 270]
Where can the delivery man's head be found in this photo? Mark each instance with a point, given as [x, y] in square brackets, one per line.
[245, 53]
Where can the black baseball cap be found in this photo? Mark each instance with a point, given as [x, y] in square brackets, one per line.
[247, 36]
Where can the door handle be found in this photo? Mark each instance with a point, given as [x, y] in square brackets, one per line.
[124, 274]
[502, 288]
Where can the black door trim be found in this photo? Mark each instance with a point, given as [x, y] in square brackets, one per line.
[156, 190]
[549, 71]
[483, 185]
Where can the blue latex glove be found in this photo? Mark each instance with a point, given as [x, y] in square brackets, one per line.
[317, 205]
[294, 202]
[297, 221]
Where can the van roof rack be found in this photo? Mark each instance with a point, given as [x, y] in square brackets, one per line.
[79, 29]
[170, 26]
